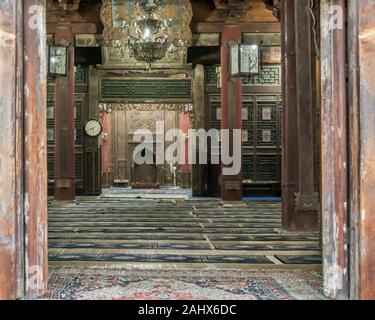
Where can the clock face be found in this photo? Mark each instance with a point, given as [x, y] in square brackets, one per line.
[93, 128]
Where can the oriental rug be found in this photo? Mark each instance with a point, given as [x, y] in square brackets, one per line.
[104, 283]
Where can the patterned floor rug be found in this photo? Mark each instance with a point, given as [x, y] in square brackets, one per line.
[96, 283]
[175, 232]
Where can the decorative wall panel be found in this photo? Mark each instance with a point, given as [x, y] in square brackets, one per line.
[126, 119]
[269, 76]
[78, 135]
[50, 132]
[143, 89]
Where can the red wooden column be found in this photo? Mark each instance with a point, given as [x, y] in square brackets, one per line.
[8, 148]
[64, 122]
[231, 110]
[200, 179]
[35, 148]
[23, 161]
[106, 151]
[185, 126]
[361, 26]
[334, 152]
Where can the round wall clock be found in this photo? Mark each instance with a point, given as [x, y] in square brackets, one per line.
[93, 128]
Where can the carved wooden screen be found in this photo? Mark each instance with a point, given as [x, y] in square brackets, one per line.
[119, 89]
[80, 103]
[50, 132]
[261, 138]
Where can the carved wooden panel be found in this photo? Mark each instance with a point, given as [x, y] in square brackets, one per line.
[117, 89]
[81, 89]
[126, 119]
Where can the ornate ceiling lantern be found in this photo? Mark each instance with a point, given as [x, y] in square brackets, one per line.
[148, 37]
[155, 32]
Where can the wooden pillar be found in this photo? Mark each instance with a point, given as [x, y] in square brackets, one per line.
[92, 158]
[300, 201]
[106, 180]
[23, 164]
[9, 13]
[184, 169]
[361, 41]
[184, 127]
[290, 129]
[334, 152]
[231, 110]
[64, 122]
[199, 170]
[307, 201]
[35, 152]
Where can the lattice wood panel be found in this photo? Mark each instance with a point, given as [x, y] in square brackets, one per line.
[261, 138]
[248, 167]
[81, 86]
[248, 123]
[266, 120]
[215, 111]
[50, 131]
[270, 76]
[82, 75]
[124, 89]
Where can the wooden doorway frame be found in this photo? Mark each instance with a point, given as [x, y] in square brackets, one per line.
[23, 164]
[348, 173]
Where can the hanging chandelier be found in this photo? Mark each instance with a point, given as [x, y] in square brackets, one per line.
[150, 44]
[147, 35]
